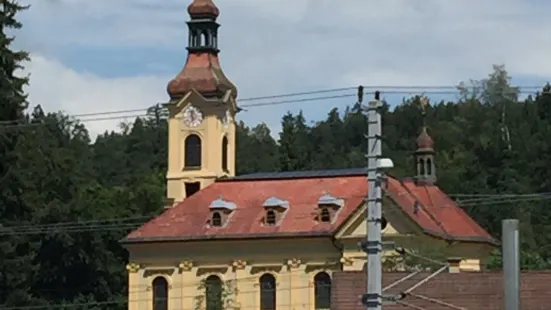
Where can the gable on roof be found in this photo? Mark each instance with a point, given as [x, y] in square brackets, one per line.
[394, 223]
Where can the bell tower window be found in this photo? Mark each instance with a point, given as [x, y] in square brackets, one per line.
[203, 32]
[204, 39]
[193, 152]
[225, 154]
[421, 166]
[429, 166]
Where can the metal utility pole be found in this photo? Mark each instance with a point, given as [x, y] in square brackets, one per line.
[511, 263]
[373, 243]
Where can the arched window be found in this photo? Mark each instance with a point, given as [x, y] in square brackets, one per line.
[213, 292]
[322, 291]
[429, 166]
[325, 215]
[204, 39]
[384, 223]
[193, 152]
[197, 38]
[225, 153]
[160, 294]
[216, 219]
[421, 166]
[267, 292]
[270, 217]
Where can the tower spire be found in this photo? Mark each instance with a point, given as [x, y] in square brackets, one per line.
[202, 70]
[424, 155]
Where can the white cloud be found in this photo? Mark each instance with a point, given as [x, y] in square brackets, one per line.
[54, 85]
[281, 46]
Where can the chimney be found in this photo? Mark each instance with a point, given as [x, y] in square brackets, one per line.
[453, 264]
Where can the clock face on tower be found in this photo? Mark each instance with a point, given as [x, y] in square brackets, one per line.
[192, 117]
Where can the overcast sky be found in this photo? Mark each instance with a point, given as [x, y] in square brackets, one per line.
[106, 55]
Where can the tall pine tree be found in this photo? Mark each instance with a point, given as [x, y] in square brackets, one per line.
[15, 276]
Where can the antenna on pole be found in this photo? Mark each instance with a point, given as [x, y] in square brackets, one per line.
[360, 94]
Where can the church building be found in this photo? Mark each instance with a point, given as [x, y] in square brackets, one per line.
[269, 240]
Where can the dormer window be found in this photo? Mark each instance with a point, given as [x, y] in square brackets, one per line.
[220, 211]
[216, 220]
[271, 217]
[275, 209]
[328, 208]
[325, 215]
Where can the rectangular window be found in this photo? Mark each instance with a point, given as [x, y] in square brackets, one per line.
[192, 188]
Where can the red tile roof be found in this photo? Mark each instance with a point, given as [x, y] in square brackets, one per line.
[203, 73]
[426, 205]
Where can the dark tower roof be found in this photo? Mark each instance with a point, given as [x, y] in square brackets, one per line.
[200, 8]
[202, 70]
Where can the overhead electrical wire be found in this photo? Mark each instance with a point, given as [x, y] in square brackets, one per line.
[125, 223]
[391, 90]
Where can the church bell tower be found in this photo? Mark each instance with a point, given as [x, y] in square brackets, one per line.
[425, 165]
[202, 106]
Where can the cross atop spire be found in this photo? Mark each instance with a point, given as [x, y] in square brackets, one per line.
[424, 140]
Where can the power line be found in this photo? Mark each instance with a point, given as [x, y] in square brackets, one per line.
[125, 223]
[452, 89]
[428, 90]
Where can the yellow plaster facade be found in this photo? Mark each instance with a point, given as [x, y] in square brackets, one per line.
[215, 126]
[293, 262]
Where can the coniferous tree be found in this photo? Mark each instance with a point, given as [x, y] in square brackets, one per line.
[15, 251]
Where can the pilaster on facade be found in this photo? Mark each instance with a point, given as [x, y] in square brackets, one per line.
[239, 264]
[244, 284]
[133, 267]
[188, 283]
[134, 286]
[293, 263]
[185, 266]
[295, 291]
